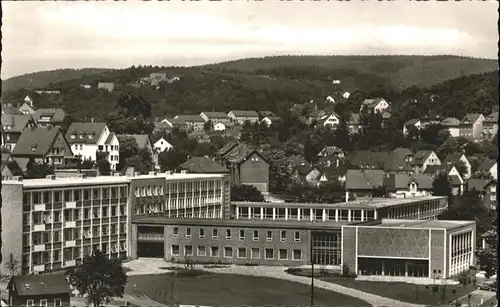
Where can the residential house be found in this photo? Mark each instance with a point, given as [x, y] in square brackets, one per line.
[157, 77]
[263, 114]
[219, 127]
[490, 126]
[456, 180]
[405, 185]
[354, 124]
[305, 173]
[193, 122]
[270, 120]
[363, 183]
[28, 100]
[374, 105]
[330, 120]
[414, 122]
[487, 190]
[307, 112]
[203, 165]
[143, 142]
[455, 159]
[332, 151]
[94, 141]
[241, 116]
[297, 160]
[10, 169]
[51, 118]
[346, 95]
[162, 127]
[246, 164]
[42, 145]
[424, 158]
[161, 145]
[430, 119]
[452, 125]
[12, 128]
[86, 86]
[107, 86]
[27, 108]
[489, 166]
[365, 159]
[331, 172]
[39, 290]
[399, 161]
[200, 136]
[175, 123]
[330, 99]
[215, 117]
[8, 109]
[471, 127]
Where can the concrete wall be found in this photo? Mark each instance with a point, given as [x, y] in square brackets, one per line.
[12, 228]
[349, 247]
[393, 242]
[255, 173]
[438, 250]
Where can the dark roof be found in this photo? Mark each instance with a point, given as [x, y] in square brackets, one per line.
[57, 115]
[470, 118]
[477, 184]
[191, 118]
[411, 122]
[296, 160]
[10, 110]
[162, 125]
[434, 169]
[420, 157]
[215, 115]
[402, 181]
[267, 114]
[226, 148]
[176, 121]
[240, 153]
[36, 142]
[142, 140]
[364, 179]
[302, 170]
[30, 285]
[493, 117]
[455, 180]
[376, 159]
[244, 113]
[19, 122]
[333, 171]
[84, 131]
[110, 137]
[450, 122]
[486, 164]
[453, 158]
[203, 165]
[371, 102]
[396, 159]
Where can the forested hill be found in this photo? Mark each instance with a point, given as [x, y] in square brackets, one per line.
[401, 71]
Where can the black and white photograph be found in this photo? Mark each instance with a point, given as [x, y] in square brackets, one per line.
[249, 153]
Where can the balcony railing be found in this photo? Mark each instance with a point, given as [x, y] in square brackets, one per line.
[39, 248]
[39, 227]
[151, 236]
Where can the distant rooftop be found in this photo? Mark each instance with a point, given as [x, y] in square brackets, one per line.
[375, 203]
[448, 225]
[75, 181]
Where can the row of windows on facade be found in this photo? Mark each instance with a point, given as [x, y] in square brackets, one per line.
[72, 253]
[174, 187]
[255, 252]
[296, 213]
[228, 234]
[412, 209]
[71, 234]
[65, 195]
[178, 203]
[43, 303]
[73, 215]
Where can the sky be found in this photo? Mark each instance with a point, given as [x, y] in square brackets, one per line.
[51, 35]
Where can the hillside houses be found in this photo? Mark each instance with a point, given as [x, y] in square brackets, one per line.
[50, 118]
[193, 122]
[12, 128]
[471, 127]
[490, 126]
[374, 106]
[162, 145]
[215, 117]
[241, 116]
[424, 158]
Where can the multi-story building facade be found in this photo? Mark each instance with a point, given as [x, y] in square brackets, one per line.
[52, 223]
[241, 116]
[216, 117]
[490, 126]
[193, 122]
[471, 127]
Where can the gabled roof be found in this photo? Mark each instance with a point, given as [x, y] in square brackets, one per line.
[477, 184]
[10, 110]
[244, 113]
[487, 164]
[364, 179]
[411, 122]
[396, 159]
[272, 118]
[215, 115]
[266, 114]
[190, 118]
[162, 125]
[88, 133]
[420, 157]
[204, 165]
[330, 150]
[471, 118]
[450, 122]
[32, 285]
[19, 122]
[240, 153]
[373, 158]
[333, 171]
[36, 142]
[176, 121]
[226, 148]
[402, 181]
[371, 102]
[354, 119]
[142, 140]
[453, 158]
[57, 115]
[455, 180]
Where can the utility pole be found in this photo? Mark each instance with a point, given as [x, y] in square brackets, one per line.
[312, 271]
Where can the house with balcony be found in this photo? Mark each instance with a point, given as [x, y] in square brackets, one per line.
[452, 125]
[12, 128]
[490, 126]
[193, 122]
[215, 117]
[422, 159]
[44, 145]
[471, 127]
[51, 118]
[241, 116]
[94, 141]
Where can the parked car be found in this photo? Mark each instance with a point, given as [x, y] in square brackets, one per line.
[487, 286]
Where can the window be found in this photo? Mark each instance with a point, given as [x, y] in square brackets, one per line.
[57, 302]
[188, 233]
[202, 233]
[256, 235]
[269, 236]
[215, 234]
[242, 234]
[188, 250]
[30, 303]
[43, 303]
[202, 251]
[297, 254]
[493, 197]
[242, 252]
[175, 250]
[283, 254]
[255, 253]
[176, 232]
[269, 253]
[214, 251]
[283, 236]
[228, 234]
[228, 252]
[297, 236]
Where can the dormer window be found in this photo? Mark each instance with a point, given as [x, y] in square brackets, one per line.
[91, 136]
[72, 136]
[33, 148]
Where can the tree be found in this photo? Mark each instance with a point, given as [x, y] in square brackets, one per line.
[128, 149]
[434, 135]
[487, 256]
[86, 164]
[482, 174]
[280, 177]
[12, 265]
[207, 126]
[104, 167]
[100, 278]
[341, 136]
[441, 186]
[37, 169]
[461, 168]
[170, 160]
[245, 193]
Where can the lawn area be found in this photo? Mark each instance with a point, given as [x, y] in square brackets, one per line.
[405, 292]
[203, 288]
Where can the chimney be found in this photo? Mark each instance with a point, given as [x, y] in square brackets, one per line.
[137, 174]
[152, 173]
[51, 177]
[92, 120]
[337, 162]
[130, 172]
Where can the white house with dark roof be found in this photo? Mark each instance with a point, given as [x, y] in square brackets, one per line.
[94, 141]
[241, 116]
[374, 105]
[331, 120]
[414, 122]
[471, 126]
[194, 122]
[452, 125]
[161, 145]
[424, 158]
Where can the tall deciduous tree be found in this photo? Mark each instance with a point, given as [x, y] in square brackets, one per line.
[487, 255]
[99, 278]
